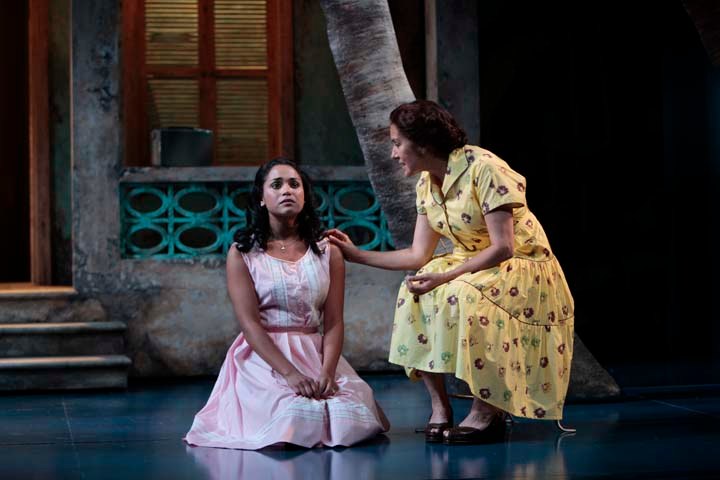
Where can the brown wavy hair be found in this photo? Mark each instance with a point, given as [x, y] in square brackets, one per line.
[430, 126]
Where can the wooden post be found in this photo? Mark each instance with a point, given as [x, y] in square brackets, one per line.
[280, 67]
[431, 72]
[136, 132]
[39, 139]
[207, 82]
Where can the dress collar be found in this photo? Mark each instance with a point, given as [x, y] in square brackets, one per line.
[458, 161]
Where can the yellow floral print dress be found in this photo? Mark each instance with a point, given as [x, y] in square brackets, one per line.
[507, 331]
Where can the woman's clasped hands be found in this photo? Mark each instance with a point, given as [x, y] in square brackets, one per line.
[324, 387]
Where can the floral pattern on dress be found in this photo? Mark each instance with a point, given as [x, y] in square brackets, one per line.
[507, 331]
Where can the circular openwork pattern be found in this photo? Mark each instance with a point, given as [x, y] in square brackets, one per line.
[193, 195]
[231, 199]
[343, 193]
[233, 229]
[147, 251]
[185, 220]
[198, 250]
[377, 235]
[322, 199]
[134, 202]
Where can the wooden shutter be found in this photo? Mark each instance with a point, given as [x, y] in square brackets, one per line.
[223, 65]
[241, 34]
[172, 102]
[242, 121]
[171, 32]
[241, 53]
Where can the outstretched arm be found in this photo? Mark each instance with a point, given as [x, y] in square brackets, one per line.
[241, 290]
[333, 326]
[425, 240]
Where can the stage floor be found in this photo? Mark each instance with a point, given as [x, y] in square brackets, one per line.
[137, 434]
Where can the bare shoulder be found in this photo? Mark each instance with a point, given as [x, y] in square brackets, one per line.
[337, 261]
[235, 258]
[233, 253]
[335, 252]
[334, 249]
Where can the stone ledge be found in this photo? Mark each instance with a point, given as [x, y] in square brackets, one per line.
[51, 363]
[61, 328]
[233, 174]
[31, 292]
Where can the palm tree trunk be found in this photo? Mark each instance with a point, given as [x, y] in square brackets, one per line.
[706, 16]
[364, 46]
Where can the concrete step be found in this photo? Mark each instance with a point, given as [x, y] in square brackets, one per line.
[56, 308]
[65, 372]
[61, 338]
[20, 291]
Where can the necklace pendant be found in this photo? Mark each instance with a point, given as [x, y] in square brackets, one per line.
[282, 247]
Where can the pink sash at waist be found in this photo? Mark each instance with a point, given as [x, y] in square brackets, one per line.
[291, 329]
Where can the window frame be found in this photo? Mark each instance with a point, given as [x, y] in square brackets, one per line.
[279, 74]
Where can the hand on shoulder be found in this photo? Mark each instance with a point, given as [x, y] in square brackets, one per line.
[342, 242]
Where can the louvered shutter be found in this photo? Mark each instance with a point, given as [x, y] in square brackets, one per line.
[241, 34]
[171, 40]
[171, 32]
[209, 64]
[242, 103]
[242, 121]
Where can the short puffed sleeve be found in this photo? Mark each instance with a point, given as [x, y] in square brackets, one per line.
[422, 192]
[497, 185]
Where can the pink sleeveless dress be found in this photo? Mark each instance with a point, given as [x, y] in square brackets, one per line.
[251, 405]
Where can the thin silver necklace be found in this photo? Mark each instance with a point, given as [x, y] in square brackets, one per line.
[282, 244]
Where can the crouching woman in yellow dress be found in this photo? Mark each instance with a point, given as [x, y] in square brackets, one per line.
[496, 312]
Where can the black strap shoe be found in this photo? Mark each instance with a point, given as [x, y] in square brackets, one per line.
[493, 433]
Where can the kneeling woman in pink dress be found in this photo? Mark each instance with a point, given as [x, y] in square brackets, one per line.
[284, 379]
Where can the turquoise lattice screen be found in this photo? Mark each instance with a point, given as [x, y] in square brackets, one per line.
[186, 220]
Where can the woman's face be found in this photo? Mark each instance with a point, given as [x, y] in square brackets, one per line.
[283, 193]
[405, 152]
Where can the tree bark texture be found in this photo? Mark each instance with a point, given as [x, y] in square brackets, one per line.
[706, 16]
[363, 43]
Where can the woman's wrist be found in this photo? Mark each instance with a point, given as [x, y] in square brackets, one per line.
[286, 372]
[449, 276]
[355, 255]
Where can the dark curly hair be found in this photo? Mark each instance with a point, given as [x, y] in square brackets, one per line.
[257, 231]
[430, 126]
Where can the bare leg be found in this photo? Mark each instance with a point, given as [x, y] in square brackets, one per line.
[480, 416]
[435, 384]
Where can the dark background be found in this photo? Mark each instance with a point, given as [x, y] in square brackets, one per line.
[611, 109]
[14, 187]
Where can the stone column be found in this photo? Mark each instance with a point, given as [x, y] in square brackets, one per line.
[96, 141]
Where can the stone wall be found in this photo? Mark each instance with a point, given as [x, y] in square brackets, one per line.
[179, 319]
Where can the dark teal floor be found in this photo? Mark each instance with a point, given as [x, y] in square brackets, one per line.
[136, 434]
